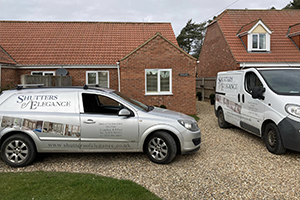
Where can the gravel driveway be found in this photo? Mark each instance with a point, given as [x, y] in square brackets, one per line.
[231, 164]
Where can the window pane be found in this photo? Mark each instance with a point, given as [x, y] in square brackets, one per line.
[37, 73]
[91, 78]
[151, 78]
[165, 81]
[254, 42]
[103, 79]
[262, 41]
[48, 73]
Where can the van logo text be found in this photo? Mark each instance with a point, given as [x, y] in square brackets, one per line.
[35, 101]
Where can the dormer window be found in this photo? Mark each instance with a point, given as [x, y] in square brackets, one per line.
[256, 36]
[259, 41]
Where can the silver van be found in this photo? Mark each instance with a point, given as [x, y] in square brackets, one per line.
[89, 119]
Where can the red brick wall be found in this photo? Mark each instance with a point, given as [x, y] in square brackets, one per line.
[159, 54]
[13, 76]
[215, 54]
[79, 76]
[9, 78]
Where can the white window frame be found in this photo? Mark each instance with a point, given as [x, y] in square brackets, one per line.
[97, 78]
[158, 83]
[258, 49]
[44, 72]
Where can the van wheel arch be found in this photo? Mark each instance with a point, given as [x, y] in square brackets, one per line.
[9, 134]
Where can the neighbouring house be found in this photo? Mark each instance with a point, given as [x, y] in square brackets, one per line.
[251, 38]
[142, 60]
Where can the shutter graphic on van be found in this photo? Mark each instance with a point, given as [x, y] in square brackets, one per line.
[44, 128]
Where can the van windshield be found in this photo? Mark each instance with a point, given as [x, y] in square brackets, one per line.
[283, 81]
[138, 105]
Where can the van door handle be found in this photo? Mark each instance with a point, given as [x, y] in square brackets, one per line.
[239, 98]
[243, 98]
[89, 121]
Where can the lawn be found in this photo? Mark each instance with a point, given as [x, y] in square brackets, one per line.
[61, 185]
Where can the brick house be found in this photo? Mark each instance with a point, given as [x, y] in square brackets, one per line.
[250, 38]
[142, 60]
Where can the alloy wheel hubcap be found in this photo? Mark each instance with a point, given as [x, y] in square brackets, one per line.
[158, 148]
[16, 151]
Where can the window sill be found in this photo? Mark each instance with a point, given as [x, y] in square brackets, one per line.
[259, 51]
[158, 94]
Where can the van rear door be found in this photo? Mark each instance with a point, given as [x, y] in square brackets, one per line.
[228, 89]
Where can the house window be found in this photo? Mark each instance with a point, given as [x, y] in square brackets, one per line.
[100, 78]
[259, 42]
[158, 81]
[43, 73]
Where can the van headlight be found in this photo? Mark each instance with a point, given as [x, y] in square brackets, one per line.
[190, 125]
[293, 109]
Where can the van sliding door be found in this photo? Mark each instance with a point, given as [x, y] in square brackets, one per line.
[252, 109]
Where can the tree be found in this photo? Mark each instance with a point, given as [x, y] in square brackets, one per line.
[293, 5]
[191, 38]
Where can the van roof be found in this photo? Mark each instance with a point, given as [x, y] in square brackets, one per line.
[39, 88]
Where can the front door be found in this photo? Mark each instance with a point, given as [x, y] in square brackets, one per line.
[102, 129]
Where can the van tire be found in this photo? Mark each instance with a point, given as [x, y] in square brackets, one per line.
[161, 147]
[18, 150]
[221, 119]
[273, 140]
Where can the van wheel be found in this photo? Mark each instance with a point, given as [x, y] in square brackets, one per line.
[18, 150]
[273, 140]
[221, 120]
[161, 147]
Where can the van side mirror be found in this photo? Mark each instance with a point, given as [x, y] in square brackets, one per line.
[125, 113]
[257, 92]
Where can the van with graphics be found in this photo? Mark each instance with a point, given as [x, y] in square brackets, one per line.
[89, 119]
[264, 102]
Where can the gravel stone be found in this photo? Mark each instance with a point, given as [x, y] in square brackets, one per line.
[231, 164]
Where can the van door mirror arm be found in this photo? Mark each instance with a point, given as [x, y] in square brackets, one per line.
[257, 92]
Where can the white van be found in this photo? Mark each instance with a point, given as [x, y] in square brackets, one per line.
[262, 101]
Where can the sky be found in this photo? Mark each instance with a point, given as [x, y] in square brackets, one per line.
[178, 12]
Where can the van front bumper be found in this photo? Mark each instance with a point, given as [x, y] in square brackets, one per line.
[290, 133]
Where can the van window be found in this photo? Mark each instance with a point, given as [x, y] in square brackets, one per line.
[98, 104]
[251, 80]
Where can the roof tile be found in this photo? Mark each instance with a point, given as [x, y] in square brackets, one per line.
[80, 43]
[279, 21]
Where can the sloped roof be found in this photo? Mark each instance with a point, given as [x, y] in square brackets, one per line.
[5, 58]
[158, 34]
[279, 21]
[294, 30]
[76, 43]
[247, 27]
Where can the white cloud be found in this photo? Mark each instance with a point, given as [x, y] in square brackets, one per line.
[178, 12]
